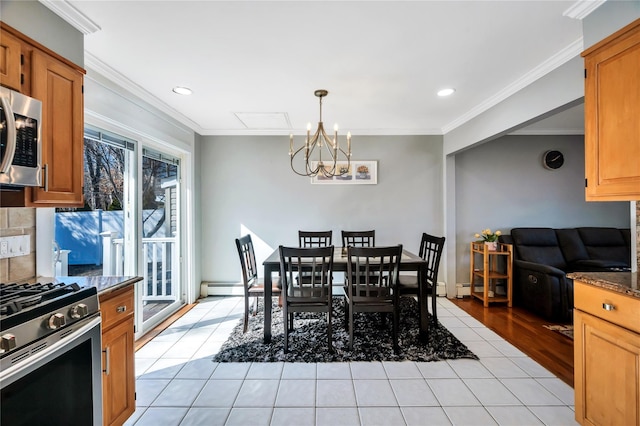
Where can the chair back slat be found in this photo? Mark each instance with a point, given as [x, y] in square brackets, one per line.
[431, 248]
[307, 273]
[315, 238]
[372, 272]
[359, 238]
[247, 260]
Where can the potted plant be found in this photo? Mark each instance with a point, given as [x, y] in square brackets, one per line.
[490, 238]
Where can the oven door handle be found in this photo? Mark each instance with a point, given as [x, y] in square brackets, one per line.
[11, 135]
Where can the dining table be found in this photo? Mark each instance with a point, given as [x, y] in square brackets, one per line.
[408, 262]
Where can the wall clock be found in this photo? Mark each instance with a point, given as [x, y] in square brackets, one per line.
[552, 159]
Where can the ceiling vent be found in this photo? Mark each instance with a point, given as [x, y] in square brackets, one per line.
[264, 120]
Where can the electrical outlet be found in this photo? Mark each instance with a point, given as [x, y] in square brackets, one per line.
[14, 246]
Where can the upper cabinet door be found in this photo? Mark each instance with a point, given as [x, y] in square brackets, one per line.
[10, 63]
[612, 117]
[59, 87]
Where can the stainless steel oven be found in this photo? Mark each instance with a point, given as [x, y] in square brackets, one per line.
[50, 370]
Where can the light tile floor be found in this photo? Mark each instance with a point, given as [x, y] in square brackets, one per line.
[178, 384]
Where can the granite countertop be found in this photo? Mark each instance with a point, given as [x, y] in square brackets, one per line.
[621, 282]
[102, 284]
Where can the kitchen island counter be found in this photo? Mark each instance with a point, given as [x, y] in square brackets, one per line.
[606, 347]
[620, 282]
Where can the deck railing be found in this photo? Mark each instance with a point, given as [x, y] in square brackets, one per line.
[159, 255]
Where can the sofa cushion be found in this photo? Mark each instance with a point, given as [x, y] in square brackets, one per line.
[571, 245]
[606, 244]
[538, 245]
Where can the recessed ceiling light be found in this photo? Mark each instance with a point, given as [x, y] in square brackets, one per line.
[446, 92]
[182, 90]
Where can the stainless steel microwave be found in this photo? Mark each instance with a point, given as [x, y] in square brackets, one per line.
[20, 139]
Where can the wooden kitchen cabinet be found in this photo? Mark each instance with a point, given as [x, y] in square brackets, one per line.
[58, 83]
[10, 61]
[118, 367]
[606, 356]
[59, 87]
[612, 108]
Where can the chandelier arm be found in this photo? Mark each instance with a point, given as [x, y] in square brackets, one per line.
[308, 169]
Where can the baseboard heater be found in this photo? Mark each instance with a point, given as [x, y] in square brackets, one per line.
[218, 288]
[462, 290]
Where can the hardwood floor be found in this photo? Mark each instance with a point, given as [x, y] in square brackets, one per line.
[525, 331]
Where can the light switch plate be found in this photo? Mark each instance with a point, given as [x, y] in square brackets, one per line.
[19, 245]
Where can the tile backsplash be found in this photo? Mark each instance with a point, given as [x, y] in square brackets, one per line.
[18, 221]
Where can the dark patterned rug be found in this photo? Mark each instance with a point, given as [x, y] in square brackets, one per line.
[372, 338]
[565, 330]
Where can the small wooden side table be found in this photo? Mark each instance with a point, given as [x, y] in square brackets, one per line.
[486, 270]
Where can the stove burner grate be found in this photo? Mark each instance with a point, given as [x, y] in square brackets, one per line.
[16, 297]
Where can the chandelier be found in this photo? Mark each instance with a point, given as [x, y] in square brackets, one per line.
[321, 154]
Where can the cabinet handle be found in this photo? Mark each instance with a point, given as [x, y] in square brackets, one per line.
[45, 172]
[608, 307]
[107, 364]
[121, 309]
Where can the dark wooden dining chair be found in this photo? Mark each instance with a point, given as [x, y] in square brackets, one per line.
[315, 238]
[359, 238]
[372, 278]
[253, 287]
[311, 294]
[431, 248]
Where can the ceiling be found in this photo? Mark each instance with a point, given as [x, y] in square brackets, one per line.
[254, 66]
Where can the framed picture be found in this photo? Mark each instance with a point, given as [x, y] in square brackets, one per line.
[356, 173]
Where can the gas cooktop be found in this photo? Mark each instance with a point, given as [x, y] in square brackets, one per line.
[31, 311]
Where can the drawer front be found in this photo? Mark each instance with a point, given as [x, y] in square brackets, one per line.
[608, 305]
[116, 307]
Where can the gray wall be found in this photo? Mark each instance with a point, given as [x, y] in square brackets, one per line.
[554, 91]
[502, 185]
[247, 184]
[41, 24]
[607, 19]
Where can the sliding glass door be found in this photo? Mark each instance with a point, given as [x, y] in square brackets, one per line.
[161, 289]
[130, 224]
[98, 239]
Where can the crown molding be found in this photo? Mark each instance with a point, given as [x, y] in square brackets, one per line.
[560, 58]
[582, 8]
[73, 16]
[98, 66]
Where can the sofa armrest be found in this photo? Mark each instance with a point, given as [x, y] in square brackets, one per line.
[543, 289]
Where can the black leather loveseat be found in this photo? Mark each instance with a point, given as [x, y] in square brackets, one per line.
[543, 257]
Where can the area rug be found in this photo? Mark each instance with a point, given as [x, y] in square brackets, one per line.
[372, 338]
[565, 330]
